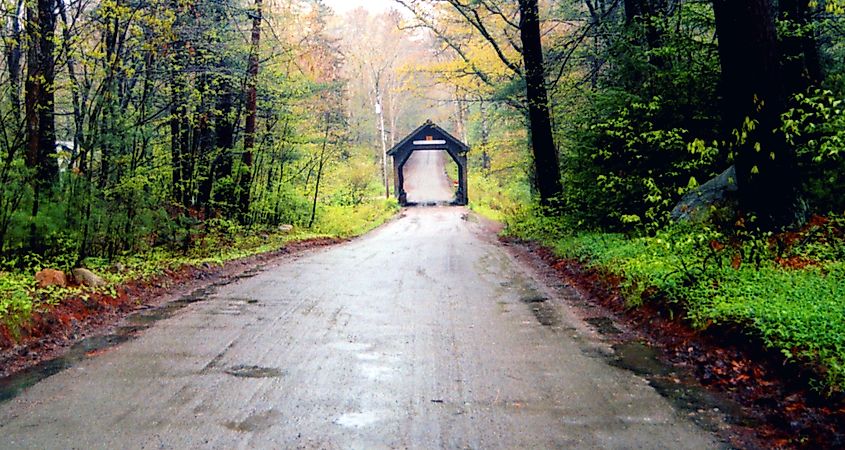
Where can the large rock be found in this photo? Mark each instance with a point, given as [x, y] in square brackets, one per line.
[87, 278]
[285, 228]
[695, 206]
[51, 277]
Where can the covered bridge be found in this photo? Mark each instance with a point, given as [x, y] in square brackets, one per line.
[429, 137]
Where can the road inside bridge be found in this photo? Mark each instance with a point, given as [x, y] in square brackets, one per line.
[423, 334]
[425, 178]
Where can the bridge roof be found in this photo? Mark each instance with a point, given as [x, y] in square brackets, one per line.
[427, 132]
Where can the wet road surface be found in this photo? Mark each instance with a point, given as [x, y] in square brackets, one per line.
[425, 177]
[423, 334]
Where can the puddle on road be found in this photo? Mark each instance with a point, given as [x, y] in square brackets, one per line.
[244, 371]
[545, 312]
[15, 384]
[534, 299]
[377, 373]
[685, 393]
[638, 358]
[255, 422]
[170, 309]
[604, 325]
[358, 420]
[369, 356]
[351, 346]
[12, 386]
[249, 273]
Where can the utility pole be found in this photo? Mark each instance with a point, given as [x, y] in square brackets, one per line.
[380, 114]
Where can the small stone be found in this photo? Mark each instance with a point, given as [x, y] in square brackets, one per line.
[285, 228]
[51, 277]
[117, 267]
[87, 278]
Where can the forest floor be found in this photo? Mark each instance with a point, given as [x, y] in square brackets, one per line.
[771, 403]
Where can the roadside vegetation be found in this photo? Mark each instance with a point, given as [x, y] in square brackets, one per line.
[787, 290]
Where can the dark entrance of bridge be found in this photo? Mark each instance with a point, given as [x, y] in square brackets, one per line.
[429, 137]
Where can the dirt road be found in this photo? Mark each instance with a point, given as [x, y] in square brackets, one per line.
[425, 178]
[423, 334]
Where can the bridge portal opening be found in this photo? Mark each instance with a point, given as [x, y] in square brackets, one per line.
[431, 178]
[420, 167]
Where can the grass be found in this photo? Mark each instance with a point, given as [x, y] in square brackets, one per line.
[488, 198]
[20, 297]
[788, 290]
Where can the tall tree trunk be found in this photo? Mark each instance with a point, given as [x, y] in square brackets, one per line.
[320, 164]
[225, 142]
[40, 120]
[546, 163]
[177, 117]
[13, 58]
[251, 110]
[377, 79]
[485, 137]
[751, 89]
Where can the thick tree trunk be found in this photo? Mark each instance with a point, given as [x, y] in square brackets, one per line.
[546, 163]
[751, 89]
[251, 110]
[40, 120]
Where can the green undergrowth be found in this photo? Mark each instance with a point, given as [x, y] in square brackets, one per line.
[491, 199]
[788, 290]
[215, 243]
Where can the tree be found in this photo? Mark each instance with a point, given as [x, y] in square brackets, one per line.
[753, 100]
[251, 109]
[40, 99]
[546, 164]
[13, 56]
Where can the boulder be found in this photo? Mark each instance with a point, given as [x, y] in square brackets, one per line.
[695, 206]
[285, 228]
[87, 278]
[51, 277]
